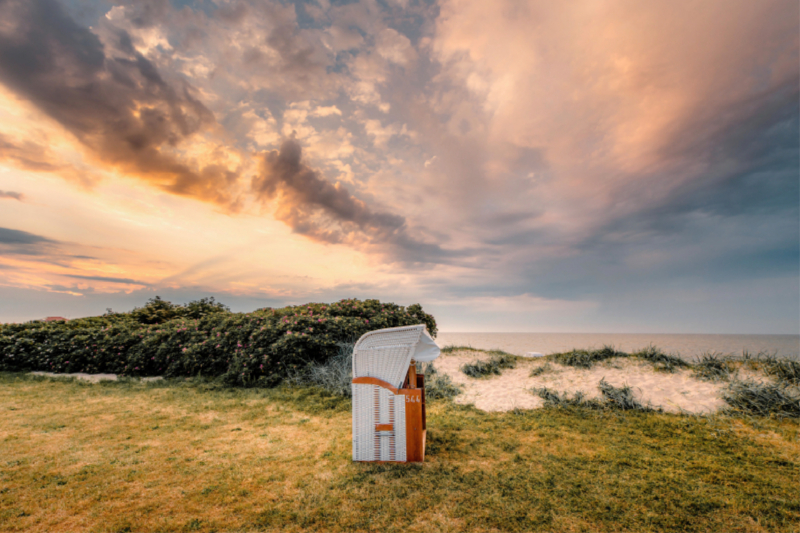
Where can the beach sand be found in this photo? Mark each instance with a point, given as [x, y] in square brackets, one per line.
[678, 392]
[91, 378]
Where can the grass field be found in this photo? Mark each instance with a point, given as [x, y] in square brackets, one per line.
[193, 456]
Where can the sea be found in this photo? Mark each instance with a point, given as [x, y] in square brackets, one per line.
[686, 346]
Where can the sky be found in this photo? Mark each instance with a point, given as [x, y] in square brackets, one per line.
[617, 166]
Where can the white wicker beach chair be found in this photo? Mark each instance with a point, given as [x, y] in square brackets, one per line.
[381, 361]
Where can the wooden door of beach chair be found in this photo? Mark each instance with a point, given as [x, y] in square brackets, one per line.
[381, 362]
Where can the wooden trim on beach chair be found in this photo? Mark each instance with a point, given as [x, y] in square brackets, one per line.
[376, 381]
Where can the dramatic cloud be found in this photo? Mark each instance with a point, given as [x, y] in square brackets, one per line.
[124, 281]
[108, 95]
[593, 158]
[19, 237]
[648, 124]
[314, 207]
[33, 261]
[304, 193]
[11, 194]
[27, 155]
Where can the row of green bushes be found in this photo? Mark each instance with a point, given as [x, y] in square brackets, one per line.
[202, 338]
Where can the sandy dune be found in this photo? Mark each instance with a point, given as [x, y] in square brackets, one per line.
[672, 392]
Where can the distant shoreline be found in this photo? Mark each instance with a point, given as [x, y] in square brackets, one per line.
[686, 345]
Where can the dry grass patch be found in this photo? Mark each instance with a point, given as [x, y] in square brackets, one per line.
[194, 457]
[166, 456]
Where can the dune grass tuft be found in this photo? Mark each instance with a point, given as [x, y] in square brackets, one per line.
[587, 358]
[713, 367]
[494, 366]
[784, 370]
[660, 360]
[763, 399]
[437, 385]
[450, 348]
[541, 369]
[554, 398]
[334, 375]
[621, 397]
[613, 398]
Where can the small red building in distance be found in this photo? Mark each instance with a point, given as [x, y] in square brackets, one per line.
[55, 319]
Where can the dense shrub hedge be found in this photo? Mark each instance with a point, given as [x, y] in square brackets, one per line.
[201, 338]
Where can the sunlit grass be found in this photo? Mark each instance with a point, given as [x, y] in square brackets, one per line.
[493, 366]
[586, 358]
[188, 456]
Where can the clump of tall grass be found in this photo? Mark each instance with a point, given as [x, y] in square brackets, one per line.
[784, 370]
[660, 360]
[587, 358]
[621, 397]
[439, 386]
[334, 375]
[494, 366]
[542, 369]
[450, 348]
[554, 398]
[615, 398]
[763, 399]
[713, 367]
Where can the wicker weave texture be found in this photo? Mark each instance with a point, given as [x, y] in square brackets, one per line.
[386, 353]
[374, 405]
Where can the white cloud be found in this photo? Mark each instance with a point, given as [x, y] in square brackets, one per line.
[380, 134]
[263, 130]
[394, 46]
[338, 38]
[326, 111]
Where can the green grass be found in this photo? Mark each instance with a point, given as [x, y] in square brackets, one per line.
[621, 397]
[494, 366]
[660, 360]
[784, 370]
[553, 398]
[438, 386]
[586, 358]
[334, 375]
[541, 369]
[195, 456]
[714, 367]
[763, 399]
[450, 348]
[613, 398]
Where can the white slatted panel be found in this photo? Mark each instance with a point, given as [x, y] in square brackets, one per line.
[374, 405]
